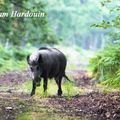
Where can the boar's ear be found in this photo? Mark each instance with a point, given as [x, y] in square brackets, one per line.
[28, 58]
[40, 60]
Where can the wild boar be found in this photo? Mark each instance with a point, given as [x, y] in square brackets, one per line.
[47, 63]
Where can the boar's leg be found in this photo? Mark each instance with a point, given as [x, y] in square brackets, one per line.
[33, 88]
[45, 84]
[58, 81]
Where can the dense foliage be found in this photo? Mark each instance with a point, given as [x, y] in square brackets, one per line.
[106, 65]
[65, 22]
[22, 30]
[13, 58]
[113, 21]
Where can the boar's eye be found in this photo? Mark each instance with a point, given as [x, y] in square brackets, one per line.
[31, 69]
[37, 67]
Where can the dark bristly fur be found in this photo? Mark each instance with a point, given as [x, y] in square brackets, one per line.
[47, 63]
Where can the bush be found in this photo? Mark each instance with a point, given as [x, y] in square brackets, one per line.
[19, 53]
[12, 58]
[106, 65]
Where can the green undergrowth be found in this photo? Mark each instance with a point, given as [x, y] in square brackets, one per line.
[69, 89]
[102, 88]
[106, 66]
[115, 83]
[12, 58]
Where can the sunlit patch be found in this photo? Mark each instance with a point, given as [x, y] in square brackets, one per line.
[45, 116]
[68, 88]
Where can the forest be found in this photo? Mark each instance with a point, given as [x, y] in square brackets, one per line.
[87, 32]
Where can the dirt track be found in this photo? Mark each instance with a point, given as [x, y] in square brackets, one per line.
[90, 106]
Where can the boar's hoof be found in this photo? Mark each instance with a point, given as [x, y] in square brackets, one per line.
[32, 93]
[59, 92]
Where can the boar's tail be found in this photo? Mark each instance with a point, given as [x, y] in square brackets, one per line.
[66, 77]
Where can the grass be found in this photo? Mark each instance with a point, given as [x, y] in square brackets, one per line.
[105, 65]
[106, 88]
[114, 83]
[69, 89]
[45, 116]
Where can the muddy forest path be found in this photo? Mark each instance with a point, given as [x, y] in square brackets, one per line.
[89, 104]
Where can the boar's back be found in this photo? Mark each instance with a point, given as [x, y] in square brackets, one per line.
[53, 62]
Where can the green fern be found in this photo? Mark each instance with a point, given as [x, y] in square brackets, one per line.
[106, 65]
